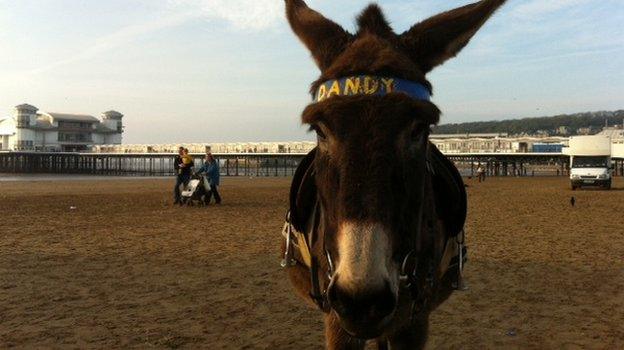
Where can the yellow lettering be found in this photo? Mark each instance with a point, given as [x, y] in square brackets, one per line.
[389, 84]
[370, 85]
[352, 86]
[321, 93]
[335, 89]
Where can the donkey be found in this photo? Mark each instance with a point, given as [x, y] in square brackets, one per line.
[376, 210]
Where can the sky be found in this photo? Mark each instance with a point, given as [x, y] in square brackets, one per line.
[231, 70]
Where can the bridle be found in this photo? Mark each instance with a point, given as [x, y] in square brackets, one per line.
[415, 280]
[417, 276]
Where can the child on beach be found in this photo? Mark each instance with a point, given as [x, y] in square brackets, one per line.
[183, 165]
[187, 162]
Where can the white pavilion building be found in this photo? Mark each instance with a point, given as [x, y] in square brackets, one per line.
[31, 130]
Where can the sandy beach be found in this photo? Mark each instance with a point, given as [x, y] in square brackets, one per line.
[126, 269]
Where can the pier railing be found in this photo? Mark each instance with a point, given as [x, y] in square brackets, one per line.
[144, 164]
[262, 164]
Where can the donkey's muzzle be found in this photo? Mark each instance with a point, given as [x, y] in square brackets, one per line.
[364, 314]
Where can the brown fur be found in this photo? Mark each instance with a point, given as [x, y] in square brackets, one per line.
[370, 163]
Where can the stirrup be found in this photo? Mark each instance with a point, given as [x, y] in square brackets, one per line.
[460, 284]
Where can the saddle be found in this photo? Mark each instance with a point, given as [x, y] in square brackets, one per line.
[448, 186]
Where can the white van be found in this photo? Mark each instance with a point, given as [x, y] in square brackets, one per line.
[590, 161]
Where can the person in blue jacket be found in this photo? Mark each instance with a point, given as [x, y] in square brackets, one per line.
[211, 169]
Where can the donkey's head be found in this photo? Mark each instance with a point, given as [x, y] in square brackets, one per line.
[372, 115]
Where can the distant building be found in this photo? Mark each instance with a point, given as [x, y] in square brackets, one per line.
[584, 131]
[616, 133]
[495, 143]
[31, 130]
[542, 133]
[297, 147]
[563, 130]
[548, 147]
[471, 135]
[447, 143]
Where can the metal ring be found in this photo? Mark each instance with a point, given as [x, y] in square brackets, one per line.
[404, 275]
[463, 237]
[330, 264]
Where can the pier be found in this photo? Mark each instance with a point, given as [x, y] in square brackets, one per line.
[264, 164]
[521, 164]
[143, 164]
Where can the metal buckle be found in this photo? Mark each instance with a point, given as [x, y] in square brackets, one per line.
[288, 260]
[330, 265]
[429, 167]
[459, 284]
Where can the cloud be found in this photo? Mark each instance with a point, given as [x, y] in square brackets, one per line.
[240, 14]
[542, 7]
[243, 15]
[119, 38]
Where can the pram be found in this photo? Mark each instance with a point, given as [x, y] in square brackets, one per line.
[197, 190]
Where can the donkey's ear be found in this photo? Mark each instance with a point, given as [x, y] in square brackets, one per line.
[324, 38]
[432, 42]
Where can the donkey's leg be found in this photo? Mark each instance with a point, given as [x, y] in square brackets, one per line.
[337, 338]
[413, 336]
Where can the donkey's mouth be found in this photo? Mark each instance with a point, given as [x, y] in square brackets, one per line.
[365, 330]
[364, 315]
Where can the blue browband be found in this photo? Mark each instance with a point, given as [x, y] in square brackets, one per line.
[371, 85]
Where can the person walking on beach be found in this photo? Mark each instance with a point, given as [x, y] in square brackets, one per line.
[211, 169]
[183, 164]
[480, 173]
[176, 166]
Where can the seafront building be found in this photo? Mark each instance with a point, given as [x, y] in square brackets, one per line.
[233, 147]
[449, 144]
[32, 130]
[617, 140]
[497, 143]
[29, 129]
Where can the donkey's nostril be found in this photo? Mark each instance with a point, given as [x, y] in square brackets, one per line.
[339, 300]
[384, 304]
[363, 308]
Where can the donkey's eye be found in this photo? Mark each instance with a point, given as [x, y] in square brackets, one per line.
[420, 133]
[319, 133]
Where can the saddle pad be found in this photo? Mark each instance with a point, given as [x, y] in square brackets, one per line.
[450, 192]
[303, 193]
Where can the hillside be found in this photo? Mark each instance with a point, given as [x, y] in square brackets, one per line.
[566, 124]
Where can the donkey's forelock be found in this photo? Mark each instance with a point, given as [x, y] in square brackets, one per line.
[373, 21]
